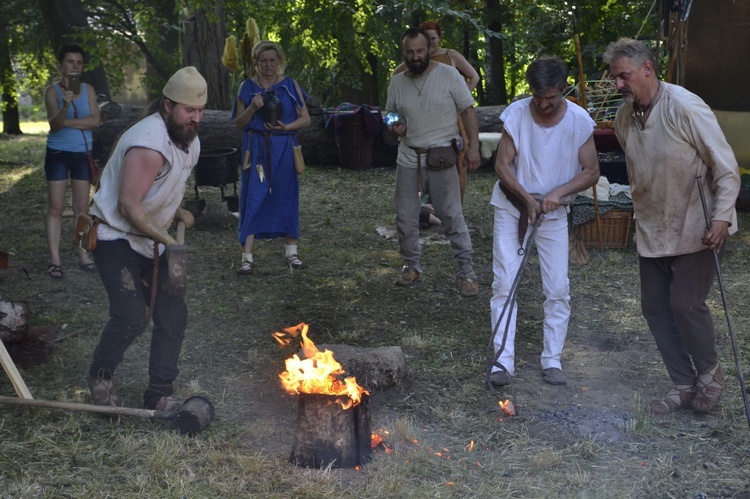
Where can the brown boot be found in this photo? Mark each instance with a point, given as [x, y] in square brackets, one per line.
[408, 277]
[103, 389]
[677, 398]
[709, 387]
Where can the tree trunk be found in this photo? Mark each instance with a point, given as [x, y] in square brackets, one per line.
[11, 119]
[165, 47]
[202, 47]
[61, 18]
[495, 91]
[327, 435]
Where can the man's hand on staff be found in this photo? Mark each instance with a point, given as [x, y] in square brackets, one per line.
[714, 237]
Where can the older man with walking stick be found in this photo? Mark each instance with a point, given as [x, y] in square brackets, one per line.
[671, 138]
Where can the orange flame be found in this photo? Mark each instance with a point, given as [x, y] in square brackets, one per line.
[376, 440]
[318, 372]
[508, 407]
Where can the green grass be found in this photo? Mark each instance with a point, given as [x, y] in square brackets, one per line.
[445, 433]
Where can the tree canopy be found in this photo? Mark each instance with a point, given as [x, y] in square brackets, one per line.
[339, 51]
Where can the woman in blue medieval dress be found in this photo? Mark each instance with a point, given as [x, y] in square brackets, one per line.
[270, 108]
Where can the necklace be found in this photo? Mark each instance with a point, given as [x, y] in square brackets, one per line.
[260, 83]
[424, 82]
[641, 113]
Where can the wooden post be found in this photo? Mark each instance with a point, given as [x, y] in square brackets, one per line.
[327, 435]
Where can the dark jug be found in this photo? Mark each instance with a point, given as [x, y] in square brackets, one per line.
[272, 108]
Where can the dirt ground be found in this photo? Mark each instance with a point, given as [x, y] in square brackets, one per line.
[347, 296]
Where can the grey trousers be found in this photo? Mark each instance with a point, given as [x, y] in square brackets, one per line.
[445, 196]
[673, 300]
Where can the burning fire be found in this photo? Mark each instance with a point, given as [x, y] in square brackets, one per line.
[508, 407]
[318, 372]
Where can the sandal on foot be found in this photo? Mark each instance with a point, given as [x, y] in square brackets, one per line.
[246, 268]
[54, 271]
[88, 267]
[709, 387]
[674, 400]
[294, 262]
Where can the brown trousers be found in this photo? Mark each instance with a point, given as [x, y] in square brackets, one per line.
[673, 300]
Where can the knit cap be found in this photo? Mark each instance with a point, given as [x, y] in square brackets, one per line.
[187, 87]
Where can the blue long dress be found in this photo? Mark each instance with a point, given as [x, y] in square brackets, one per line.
[269, 203]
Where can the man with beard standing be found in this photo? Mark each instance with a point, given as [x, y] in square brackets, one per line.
[428, 97]
[139, 197]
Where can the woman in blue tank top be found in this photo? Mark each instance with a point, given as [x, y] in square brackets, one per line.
[72, 113]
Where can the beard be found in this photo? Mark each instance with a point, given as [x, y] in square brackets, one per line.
[418, 67]
[180, 132]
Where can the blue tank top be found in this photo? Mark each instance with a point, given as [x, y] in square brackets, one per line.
[67, 138]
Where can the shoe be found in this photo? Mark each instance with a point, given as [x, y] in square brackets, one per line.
[554, 376]
[246, 268]
[54, 271]
[408, 277]
[166, 405]
[674, 400]
[469, 287]
[103, 390]
[294, 262]
[708, 389]
[88, 267]
[500, 378]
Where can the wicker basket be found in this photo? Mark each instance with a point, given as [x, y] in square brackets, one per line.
[355, 144]
[615, 230]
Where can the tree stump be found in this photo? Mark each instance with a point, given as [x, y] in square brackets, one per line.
[14, 320]
[328, 435]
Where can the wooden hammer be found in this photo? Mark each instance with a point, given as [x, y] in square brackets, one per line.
[177, 263]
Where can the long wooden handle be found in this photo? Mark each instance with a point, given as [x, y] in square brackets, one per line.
[75, 406]
[15, 377]
[180, 237]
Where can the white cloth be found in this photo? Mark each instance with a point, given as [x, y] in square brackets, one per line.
[681, 140]
[546, 157]
[431, 119]
[165, 195]
[552, 247]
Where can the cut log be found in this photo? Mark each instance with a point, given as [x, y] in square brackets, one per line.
[318, 143]
[328, 435]
[14, 320]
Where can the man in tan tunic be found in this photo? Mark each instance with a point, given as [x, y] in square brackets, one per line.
[672, 142]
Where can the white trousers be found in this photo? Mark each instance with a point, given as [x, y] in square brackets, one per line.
[552, 246]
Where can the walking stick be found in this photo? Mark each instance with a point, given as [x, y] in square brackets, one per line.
[730, 324]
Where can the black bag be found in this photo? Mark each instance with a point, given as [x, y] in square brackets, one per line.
[272, 108]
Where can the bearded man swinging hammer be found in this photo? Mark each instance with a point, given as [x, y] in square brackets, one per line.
[141, 190]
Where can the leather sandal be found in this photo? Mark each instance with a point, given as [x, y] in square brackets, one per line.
[709, 388]
[54, 271]
[674, 400]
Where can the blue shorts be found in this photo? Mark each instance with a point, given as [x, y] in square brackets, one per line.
[57, 164]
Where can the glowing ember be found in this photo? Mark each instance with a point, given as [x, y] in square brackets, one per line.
[318, 372]
[508, 407]
[376, 440]
[470, 447]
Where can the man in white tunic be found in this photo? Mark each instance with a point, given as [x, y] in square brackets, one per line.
[672, 142]
[141, 190]
[545, 156]
[428, 97]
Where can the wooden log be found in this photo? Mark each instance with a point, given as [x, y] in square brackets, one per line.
[318, 142]
[328, 435]
[14, 320]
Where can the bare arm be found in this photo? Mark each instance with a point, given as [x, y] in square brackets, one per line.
[89, 122]
[588, 176]
[506, 153]
[55, 113]
[466, 69]
[245, 114]
[140, 168]
[472, 131]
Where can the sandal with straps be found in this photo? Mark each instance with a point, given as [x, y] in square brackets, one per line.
[674, 400]
[54, 271]
[709, 388]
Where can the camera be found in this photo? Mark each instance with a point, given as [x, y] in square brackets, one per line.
[74, 83]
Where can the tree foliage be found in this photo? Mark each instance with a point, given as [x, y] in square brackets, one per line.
[338, 50]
